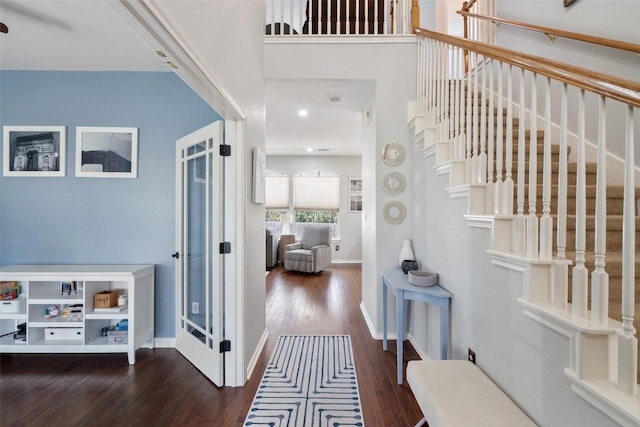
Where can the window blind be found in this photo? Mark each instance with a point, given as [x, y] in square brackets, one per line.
[277, 192]
[316, 193]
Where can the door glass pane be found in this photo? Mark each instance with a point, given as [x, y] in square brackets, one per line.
[213, 186]
[196, 243]
[196, 148]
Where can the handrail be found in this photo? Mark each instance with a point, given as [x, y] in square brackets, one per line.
[631, 47]
[623, 90]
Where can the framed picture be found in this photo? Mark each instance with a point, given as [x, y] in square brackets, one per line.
[355, 184]
[34, 150]
[259, 175]
[355, 202]
[106, 152]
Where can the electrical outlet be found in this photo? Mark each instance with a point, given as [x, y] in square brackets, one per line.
[472, 356]
[195, 307]
[337, 247]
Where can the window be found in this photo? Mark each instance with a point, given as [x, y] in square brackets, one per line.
[276, 198]
[316, 199]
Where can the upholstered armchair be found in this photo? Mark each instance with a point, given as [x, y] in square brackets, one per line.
[313, 253]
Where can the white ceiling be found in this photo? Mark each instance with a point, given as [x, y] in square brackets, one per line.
[83, 35]
[336, 127]
[88, 35]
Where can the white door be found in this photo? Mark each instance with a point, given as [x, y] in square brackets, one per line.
[199, 262]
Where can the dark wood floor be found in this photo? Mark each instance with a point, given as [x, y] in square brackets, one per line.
[163, 389]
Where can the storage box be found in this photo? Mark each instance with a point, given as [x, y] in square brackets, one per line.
[116, 339]
[106, 299]
[14, 305]
[61, 334]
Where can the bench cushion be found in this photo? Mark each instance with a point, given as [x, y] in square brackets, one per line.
[457, 393]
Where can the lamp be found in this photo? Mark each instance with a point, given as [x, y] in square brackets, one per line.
[286, 219]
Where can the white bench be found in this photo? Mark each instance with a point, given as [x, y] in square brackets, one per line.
[457, 393]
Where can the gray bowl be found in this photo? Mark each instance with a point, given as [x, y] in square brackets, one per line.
[423, 278]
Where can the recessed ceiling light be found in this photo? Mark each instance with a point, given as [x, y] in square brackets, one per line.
[309, 150]
[303, 113]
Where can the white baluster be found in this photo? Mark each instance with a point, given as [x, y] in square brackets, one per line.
[446, 78]
[433, 83]
[453, 82]
[546, 222]
[376, 17]
[580, 273]
[291, 4]
[532, 218]
[627, 341]
[507, 188]
[444, 84]
[519, 225]
[438, 101]
[476, 139]
[469, 94]
[561, 267]
[300, 14]
[490, 145]
[482, 158]
[599, 277]
[281, 29]
[497, 197]
[461, 107]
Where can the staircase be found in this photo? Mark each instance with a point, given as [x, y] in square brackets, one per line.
[614, 221]
[452, 116]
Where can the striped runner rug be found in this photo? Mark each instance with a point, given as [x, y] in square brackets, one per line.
[310, 381]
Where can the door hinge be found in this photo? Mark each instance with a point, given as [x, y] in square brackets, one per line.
[225, 247]
[225, 346]
[225, 150]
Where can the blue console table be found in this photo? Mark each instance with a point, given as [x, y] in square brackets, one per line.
[398, 283]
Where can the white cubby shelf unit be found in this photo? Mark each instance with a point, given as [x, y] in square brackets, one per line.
[41, 287]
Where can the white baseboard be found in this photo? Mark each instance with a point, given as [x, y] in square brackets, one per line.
[256, 354]
[417, 348]
[372, 330]
[346, 261]
[367, 319]
[164, 343]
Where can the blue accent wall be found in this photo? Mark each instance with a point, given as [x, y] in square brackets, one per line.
[96, 220]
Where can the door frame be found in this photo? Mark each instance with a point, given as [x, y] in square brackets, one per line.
[149, 22]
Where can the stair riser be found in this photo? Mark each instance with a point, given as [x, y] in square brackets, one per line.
[613, 268]
[614, 206]
[614, 241]
[572, 179]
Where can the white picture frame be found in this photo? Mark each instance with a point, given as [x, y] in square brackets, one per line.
[106, 152]
[355, 184]
[34, 151]
[259, 176]
[355, 202]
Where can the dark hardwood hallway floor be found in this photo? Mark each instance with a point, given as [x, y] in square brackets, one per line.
[164, 389]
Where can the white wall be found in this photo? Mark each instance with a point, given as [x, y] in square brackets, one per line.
[392, 66]
[350, 222]
[613, 19]
[227, 36]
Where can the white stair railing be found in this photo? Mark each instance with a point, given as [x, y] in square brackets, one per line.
[475, 142]
[338, 17]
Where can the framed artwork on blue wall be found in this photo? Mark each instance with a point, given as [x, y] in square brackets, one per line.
[106, 152]
[34, 151]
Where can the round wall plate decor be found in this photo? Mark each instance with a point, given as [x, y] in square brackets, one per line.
[394, 212]
[393, 154]
[394, 183]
